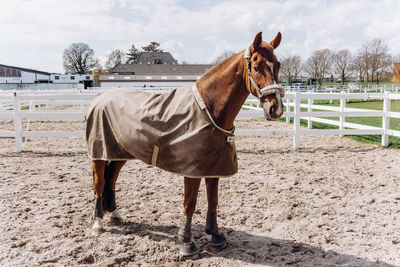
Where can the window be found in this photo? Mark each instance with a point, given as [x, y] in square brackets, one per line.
[2, 72]
[179, 77]
[164, 77]
[87, 77]
[148, 78]
[127, 77]
[157, 61]
[72, 77]
[56, 77]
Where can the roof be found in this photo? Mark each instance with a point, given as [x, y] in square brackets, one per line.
[26, 70]
[161, 69]
[155, 58]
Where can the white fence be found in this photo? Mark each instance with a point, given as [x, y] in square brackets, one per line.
[35, 104]
[365, 88]
[295, 99]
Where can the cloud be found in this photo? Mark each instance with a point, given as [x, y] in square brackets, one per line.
[35, 33]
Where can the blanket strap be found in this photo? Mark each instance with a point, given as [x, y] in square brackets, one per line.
[154, 156]
[202, 105]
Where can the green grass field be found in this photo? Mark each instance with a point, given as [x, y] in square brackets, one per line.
[394, 142]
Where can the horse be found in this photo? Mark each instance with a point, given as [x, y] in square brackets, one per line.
[219, 95]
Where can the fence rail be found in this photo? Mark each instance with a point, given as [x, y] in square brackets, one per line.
[36, 105]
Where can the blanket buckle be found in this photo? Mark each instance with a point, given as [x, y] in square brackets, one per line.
[230, 139]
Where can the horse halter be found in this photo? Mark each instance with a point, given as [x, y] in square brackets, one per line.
[267, 90]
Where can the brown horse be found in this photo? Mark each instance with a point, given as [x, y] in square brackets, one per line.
[224, 89]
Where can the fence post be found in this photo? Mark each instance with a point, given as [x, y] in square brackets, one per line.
[365, 91]
[288, 110]
[309, 123]
[386, 119]
[296, 121]
[341, 109]
[17, 124]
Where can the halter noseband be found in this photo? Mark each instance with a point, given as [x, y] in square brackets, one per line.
[267, 90]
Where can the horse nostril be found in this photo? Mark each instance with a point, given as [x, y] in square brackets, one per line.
[272, 110]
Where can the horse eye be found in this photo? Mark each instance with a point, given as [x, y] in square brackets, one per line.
[255, 68]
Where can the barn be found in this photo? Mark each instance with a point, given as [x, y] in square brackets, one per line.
[12, 74]
[151, 69]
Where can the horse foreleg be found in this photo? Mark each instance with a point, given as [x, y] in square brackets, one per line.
[98, 186]
[217, 239]
[191, 189]
[111, 174]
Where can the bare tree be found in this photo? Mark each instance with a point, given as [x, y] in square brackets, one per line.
[79, 58]
[364, 61]
[359, 67]
[318, 64]
[376, 59]
[152, 47]
[116, 57]
[380, 59]
[342, 64]
[383, 68]
[132, 54]
[224, 55]
[291, 67]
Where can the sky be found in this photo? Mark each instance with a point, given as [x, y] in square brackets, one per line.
[34, 33]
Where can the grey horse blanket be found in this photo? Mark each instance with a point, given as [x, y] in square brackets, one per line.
[173, 131]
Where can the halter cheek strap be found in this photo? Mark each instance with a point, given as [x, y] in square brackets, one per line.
[267, 90]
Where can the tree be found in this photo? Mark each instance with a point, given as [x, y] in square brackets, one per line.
[383, 69]
[342, 64]
[291, 68]
[132, 54]
[225, 54]
[79, 58]
[381, 60]
[318, 64]
[359, 67]
[116, 57]
[376, 59]
[364, 62]
[152, 47]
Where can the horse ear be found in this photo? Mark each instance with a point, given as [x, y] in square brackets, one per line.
[257, 41]
[275, 43]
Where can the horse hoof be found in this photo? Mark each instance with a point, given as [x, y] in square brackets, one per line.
[188, 249]
[116, 217]
[218, 242]
[97, 226]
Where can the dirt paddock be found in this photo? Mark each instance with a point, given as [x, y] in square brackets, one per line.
[334, 202]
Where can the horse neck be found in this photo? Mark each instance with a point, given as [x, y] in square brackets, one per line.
[223, 89]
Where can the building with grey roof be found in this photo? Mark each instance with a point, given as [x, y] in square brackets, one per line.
[155, 58]
[158, 75]
[13, 74]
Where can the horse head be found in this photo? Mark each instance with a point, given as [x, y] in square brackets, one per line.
[263, 71]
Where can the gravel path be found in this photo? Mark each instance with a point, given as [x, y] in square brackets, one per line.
[333, 202]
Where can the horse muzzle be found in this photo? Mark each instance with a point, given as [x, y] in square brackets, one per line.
[273, 110]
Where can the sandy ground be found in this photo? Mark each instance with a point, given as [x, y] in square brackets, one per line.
[334, 202]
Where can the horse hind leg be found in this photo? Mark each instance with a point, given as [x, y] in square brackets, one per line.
[98, 186]
[112, 170]
[191, 189]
